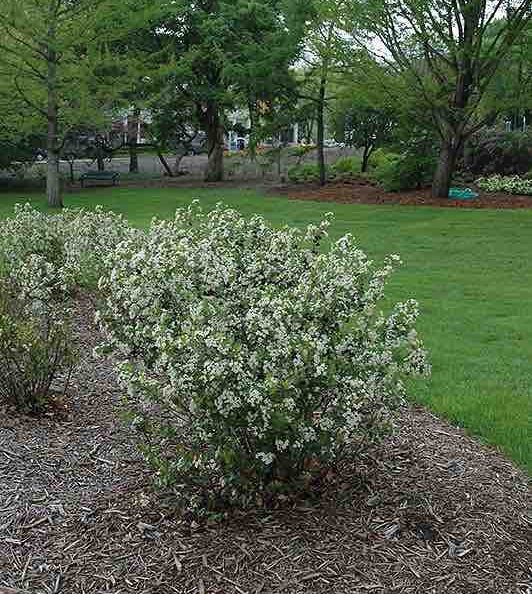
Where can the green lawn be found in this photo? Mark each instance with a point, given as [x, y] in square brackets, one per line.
[471, 270]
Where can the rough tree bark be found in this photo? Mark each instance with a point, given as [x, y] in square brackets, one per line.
[215, 143]
[100, 160]
[180, 153]
[441, 183]
[132, 128]
[53, 186]
[164, 163]
[368, 150]
[320, 116]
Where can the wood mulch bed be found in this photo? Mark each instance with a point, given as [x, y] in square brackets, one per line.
[361, 191]
[430, 510]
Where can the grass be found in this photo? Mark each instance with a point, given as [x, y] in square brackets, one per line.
[469, 269]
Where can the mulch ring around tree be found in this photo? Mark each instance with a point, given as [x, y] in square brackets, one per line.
[362, 191]
[430, 510]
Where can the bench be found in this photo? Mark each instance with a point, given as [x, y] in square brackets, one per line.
[107, 176]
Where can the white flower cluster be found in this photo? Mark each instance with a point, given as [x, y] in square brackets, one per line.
[42, 259]
[511, 184]
[55, 253]
[250, 352]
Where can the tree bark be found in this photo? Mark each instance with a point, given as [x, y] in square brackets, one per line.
[100, 161]
[53, 186]
[252, 129]
[164, 163]
[365, 158]
[132, 127]
[215, 144]
[321, 132]
[133, 158]
[441, 183]
[179, 155]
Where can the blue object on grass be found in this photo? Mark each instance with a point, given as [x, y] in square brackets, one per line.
[462, 194]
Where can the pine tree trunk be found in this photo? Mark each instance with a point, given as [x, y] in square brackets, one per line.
[53, 186]
[441, 183]
[215, 144]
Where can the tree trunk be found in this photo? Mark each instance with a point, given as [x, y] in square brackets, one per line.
[444, 172]
[179, 155]
[215, 144]
[252, 130]
[100, 161]
[133, 158]
[132, 128]
[321, 133]
[365, 158]
[53, 187]
[164, 163]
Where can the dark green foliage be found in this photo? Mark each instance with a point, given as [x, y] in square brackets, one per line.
[495, 151]
[343, 168]
[346, 167]
[308, 172]
[363, 126]
[19, 150]
[409, 171]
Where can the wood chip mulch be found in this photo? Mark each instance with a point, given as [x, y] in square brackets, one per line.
[360, 191]
[429, 511]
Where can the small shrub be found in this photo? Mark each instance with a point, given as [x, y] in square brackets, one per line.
[346, 167]
[307, 172]
[301, 151]
[43, 258]
[88, 236]
[381, 158]
[73, 242]
[35, 343]
[512, 184]
[252, 359]
[404, 172]
[343, 168]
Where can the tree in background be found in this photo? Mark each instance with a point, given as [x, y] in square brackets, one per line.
[444, 51]
[225, 52]
[326, 48]
[509, 96]
[47, 61]
[174, 126]
[366, 111]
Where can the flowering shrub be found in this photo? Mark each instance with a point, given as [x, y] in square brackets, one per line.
[88, 235]
[512, 184]
[35, 350]
[251, 357]
[72, 241]
[42, 259]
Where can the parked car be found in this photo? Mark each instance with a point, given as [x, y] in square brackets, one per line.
[40, 154]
